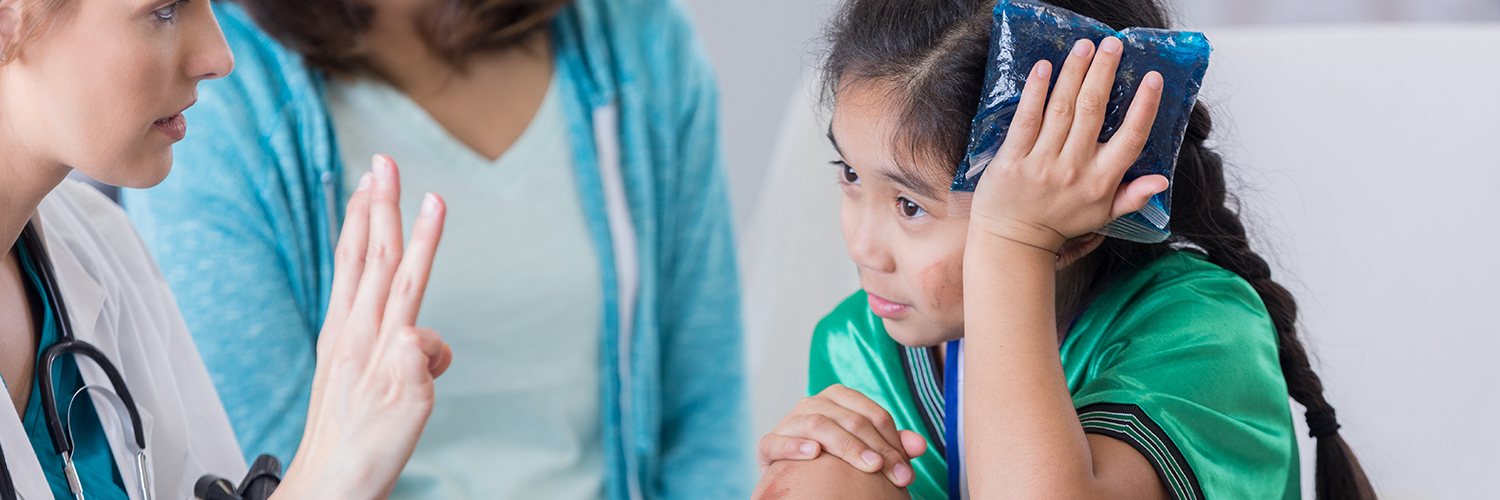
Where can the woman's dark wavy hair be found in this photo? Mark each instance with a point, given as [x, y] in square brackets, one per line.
[930, 57]
[330, 33]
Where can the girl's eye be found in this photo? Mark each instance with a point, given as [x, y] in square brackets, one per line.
[910, 209]
[169, 12]
[847, 174]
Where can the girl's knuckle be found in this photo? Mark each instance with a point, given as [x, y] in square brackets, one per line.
[1089, 104]
[815, 421]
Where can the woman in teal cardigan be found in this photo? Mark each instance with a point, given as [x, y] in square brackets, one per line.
[244, 230]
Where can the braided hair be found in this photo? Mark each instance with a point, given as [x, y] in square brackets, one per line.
[932, 52]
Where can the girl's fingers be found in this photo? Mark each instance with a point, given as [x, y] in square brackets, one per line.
[383, 253]
[1059, 116]
[410, 281]
[776, 447]
[914, 444]
[877, 416]
[873, 425]
[1093, 99]
[1134, 195]
[1027, 123]
[830, 429]
[349, 257]
[1125, 147]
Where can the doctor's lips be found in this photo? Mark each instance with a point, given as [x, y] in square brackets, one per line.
[175, 126]
[885, 308]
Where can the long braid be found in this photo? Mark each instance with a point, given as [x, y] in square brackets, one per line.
[1203, 217]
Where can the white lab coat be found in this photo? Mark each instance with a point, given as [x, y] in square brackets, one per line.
[118, 301]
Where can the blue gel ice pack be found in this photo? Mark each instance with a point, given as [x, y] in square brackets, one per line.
[1025, 32]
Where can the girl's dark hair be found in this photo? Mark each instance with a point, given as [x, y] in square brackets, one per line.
[929, 56]
[330, 33]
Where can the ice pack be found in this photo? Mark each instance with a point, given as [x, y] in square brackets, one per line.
[1025, 32]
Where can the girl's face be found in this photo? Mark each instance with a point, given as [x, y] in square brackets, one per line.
[896, 227]
[103, 88]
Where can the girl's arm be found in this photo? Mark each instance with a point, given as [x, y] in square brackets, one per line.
[1051, 181]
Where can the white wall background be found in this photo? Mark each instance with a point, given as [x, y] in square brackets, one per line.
[761, 48]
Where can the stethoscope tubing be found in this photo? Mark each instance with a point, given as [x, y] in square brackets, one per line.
[62, 439]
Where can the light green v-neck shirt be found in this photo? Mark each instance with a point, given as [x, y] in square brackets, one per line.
[515, 290]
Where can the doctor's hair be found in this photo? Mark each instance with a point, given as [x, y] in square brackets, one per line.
[25, 21]
[929, 57]
[330, 34]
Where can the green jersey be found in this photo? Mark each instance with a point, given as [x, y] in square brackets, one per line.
[1178, 359]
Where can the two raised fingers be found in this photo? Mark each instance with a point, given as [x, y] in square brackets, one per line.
[379, 282]
[410, 281]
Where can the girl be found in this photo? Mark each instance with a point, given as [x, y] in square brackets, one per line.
[1088, 367]
[594, 294]
[100, 86]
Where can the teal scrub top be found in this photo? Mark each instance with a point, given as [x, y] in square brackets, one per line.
[1177, 359]
[91, 453]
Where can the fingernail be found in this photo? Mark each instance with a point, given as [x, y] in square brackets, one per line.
[1110, 45]
[429, 204]
[1043, 69]
[871, 457]
[808, 449]
[364, 182]
[902, 472]
[1153, 80]
[1081, 48]
[381, 167]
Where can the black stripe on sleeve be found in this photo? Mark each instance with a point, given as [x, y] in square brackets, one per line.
[1130, 424]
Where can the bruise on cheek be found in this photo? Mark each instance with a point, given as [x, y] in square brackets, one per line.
[943, 283]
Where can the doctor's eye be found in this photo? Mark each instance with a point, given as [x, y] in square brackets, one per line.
[846, 172]
[169, 13]
[910, 208]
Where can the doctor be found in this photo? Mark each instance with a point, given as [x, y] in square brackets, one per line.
[99, 86]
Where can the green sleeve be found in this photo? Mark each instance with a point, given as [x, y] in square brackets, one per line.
[850, 347]
[1188, 374]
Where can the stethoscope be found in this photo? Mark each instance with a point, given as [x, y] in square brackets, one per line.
[119, 397]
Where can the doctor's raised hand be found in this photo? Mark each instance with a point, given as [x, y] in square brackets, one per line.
[373, 389]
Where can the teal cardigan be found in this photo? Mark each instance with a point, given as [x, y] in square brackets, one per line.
[244, 230]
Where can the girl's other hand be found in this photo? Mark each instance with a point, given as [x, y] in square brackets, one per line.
[848, 425]
[1052, 180]
[373, 388]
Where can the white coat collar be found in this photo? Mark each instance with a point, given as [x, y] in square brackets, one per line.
[84, 297]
